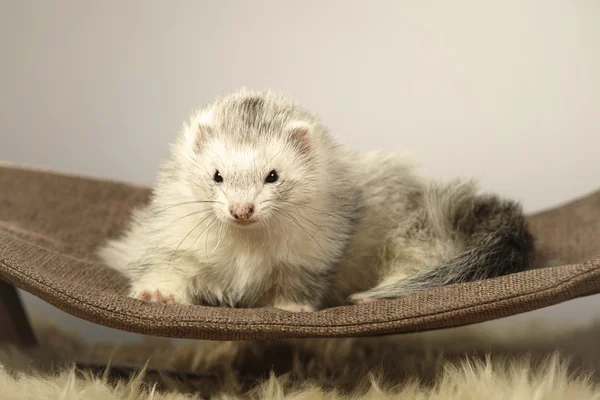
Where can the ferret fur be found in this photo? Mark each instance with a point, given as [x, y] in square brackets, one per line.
[337, 226]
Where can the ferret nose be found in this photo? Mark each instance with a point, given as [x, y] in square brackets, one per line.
[241, 211]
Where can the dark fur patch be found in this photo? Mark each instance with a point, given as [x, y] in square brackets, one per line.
[251, 108]
[498, 243]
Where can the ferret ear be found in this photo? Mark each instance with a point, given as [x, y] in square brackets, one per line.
[299, 133]
[198, 130]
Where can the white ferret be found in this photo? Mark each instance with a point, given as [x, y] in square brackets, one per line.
[258, 205]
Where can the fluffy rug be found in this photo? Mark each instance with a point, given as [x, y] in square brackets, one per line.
[485, 361]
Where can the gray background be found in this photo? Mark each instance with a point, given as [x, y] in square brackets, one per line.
[506, 91]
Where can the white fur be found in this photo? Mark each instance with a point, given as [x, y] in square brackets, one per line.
[214, 256]
[517, 380]
[206, 118]
[335, 224]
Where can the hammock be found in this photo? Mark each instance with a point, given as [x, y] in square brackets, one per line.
[50, 223]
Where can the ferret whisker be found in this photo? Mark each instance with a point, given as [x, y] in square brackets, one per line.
[184, 203]
[293, 216]
[222, 227]
[211, 177]
[188, 215]
[285, 191]
[272, 158]
[274, 207]
[208, 174]
[206, 240]
[185, 237]
[303, 216]
[287, 244]
[200, 234]
[309, 207]
[299, 225]
[267, 227]
[271, 231]
[217, 154]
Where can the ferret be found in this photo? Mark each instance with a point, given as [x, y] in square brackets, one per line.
[258, 205]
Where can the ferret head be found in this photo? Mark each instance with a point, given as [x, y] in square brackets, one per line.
[256, 157]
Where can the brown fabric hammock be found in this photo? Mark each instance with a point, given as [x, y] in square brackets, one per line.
[50, 223]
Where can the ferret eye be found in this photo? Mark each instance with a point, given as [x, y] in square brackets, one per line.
[272, 177]
[217, 177]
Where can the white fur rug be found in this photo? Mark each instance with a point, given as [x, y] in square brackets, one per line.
[477, 362]
[470, 380]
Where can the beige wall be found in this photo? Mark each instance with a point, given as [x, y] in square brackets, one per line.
[507, 91]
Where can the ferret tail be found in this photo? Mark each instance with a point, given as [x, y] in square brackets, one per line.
[497, 242]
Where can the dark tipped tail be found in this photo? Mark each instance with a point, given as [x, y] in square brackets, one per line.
[497, 243]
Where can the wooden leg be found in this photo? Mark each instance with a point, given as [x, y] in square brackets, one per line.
[14, 324]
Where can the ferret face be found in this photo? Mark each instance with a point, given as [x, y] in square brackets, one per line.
[254, 158]
[254, 185]
[253, 168]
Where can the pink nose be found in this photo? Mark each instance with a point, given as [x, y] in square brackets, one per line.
[241, 211]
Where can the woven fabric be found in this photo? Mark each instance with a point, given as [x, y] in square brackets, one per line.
[50, 224]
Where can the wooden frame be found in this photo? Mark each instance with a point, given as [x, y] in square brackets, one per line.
[15, 329]
[14, 324]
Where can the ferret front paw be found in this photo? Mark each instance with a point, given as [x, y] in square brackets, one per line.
[294, 307]
[155, 296]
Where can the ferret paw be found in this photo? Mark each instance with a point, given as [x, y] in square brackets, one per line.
[154, 296]
[293, 307]
[363, 298]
